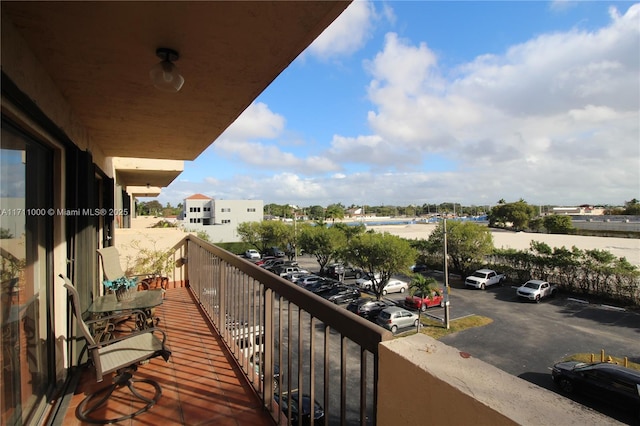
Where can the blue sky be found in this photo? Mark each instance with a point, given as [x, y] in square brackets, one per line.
[413, 102]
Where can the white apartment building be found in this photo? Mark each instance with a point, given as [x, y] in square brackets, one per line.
[219, 218]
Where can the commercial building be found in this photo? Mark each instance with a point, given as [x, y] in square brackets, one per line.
[219, 218]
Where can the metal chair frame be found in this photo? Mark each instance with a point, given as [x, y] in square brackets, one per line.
[121, 355]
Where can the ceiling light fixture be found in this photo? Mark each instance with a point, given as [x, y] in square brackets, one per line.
[165, 75]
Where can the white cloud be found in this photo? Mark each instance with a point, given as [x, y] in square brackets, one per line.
[555, 117]
[257, 121]
[554, 120]
[347, 33]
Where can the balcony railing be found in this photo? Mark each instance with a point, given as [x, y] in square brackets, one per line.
[286, 339]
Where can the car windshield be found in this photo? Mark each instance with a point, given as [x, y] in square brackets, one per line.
[479, 275]
[534, 286]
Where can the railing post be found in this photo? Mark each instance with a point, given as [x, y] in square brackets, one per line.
[222, 294]
[269, 343]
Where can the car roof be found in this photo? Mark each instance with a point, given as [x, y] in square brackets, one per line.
[629, 373]
[536, 281]
[395, 309]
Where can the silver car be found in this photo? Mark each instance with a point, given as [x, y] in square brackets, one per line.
[394, 318]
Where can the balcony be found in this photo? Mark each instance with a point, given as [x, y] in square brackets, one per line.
[201, 384]
[354, 369]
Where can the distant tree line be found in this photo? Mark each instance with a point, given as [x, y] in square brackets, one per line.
[336, 211]
[520, 214]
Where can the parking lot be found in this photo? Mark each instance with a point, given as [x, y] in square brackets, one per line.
[525, 338]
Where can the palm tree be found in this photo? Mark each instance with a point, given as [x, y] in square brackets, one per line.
[424, 286]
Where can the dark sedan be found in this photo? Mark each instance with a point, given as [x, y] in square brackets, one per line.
[321, 285]
[604, 382]
[341, 294]
[340, 271]
[367, 307]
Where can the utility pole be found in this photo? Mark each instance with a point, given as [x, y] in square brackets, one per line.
[446, 277]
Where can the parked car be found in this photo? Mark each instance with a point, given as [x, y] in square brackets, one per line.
[257, 363]
[395, 317]
[422, 301]
[294, 277]
[310, 279]
[418, 269]
[365, 282]
[303, 418]
[250, 341]
[274, 251]
[341, 271]
[263, 260]
[279, 262]
[536, 290]
[606, 382]
[395, 286]
[270, 261]
[321, 285]
[252, 254]
[283, 270]
[341, 294]
[367, 307]
[483, 278]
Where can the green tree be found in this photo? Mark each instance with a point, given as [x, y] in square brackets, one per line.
[264, 234]
[422, 286]
[316, 212]
[468, 244]
[517, 214]
[325, 243]
[558, 224]
[536, 224]
[350, 231]
[153, 208]
[334, 211]
[382, 254]
[632, 207]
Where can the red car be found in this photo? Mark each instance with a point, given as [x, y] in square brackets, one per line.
[418, 301]
[259, 262]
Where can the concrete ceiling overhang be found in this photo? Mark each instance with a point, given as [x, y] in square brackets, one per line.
[99, 55]
[145, 172]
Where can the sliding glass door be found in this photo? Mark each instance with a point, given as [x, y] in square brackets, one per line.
[26, 374]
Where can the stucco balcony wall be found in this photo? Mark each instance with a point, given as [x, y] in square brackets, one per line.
[422, 380]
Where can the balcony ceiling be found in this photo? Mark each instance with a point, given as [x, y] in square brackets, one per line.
[99, 55]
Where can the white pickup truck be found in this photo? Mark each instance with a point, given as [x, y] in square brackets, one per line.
[483, 278]
[536, 290]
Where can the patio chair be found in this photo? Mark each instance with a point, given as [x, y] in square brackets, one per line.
[112, 271]
[120, 355]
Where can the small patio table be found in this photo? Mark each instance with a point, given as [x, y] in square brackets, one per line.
[141, 301]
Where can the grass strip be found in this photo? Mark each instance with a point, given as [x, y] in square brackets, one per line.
[436, 329]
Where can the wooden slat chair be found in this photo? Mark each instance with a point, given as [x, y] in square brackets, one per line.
[122, 356]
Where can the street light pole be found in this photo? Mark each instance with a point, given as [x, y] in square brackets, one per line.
[446, 277]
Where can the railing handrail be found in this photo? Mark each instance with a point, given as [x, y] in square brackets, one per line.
[357, 329]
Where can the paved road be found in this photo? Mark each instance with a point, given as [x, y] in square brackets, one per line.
[525, 339]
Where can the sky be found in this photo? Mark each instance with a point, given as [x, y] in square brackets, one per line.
[414, 102]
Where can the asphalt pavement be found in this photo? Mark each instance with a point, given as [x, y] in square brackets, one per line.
[526, 338]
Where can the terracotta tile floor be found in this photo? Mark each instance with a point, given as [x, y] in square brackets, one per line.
[201, 384]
